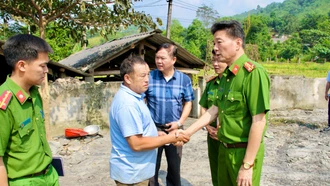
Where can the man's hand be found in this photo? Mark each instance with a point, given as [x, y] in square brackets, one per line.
[172, 126]
[326, 96]
[244, 177]
[3, 173]
[181, 137]
[213, 132]
[161, 133]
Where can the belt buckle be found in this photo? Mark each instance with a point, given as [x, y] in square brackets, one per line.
[225, 144]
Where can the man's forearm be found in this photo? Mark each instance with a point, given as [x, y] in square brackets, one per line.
[254, 140]
[204, 120]
[3, 174]
[185, 112]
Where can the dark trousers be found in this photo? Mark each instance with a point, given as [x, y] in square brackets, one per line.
[173, 156]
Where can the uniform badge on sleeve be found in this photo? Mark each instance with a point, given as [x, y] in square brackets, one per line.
[249, 66]
[4, 99]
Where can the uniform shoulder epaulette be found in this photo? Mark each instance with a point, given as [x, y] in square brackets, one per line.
[211, 78]
[249, 66]
[5, 98]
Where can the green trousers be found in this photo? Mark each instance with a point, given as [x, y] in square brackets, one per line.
[48, 179]
[213, 151]
[230, 161]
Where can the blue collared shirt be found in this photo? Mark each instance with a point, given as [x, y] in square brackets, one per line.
[165, 98]
[129, 115]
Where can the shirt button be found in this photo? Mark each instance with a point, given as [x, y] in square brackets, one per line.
[225, 96]
[232, 99]
[28, 131]
[228, 80]
[41, 135]
[222, 111]
[37, 119]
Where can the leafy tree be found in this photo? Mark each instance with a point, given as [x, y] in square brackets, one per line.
[291, 48]
[60, 40]
[196, 39]
[79, 15]
[207, 15]
[178, 32]
[291, 24]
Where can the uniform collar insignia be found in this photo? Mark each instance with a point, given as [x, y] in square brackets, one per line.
[20, 96]
[235, 69]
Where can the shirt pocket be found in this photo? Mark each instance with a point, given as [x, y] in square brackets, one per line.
[234, 103]
[22, 141]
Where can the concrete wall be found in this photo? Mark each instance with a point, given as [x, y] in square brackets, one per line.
[89, 103]
[297, 92]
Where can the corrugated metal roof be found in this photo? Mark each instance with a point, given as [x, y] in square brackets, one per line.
[93, 58]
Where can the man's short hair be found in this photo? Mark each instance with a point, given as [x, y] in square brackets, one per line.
[233, 29]
[127, 66]
[24, 47]
[169, 47]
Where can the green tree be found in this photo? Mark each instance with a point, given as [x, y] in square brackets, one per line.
[291, 48]
[178, 32]
[95, 15]
[196, 39]
[207, 15]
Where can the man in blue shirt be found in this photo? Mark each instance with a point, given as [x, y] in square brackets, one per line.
[326, 96]
[169, 99]
[134, 136]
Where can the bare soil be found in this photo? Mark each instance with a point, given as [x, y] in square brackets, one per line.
[297, 153]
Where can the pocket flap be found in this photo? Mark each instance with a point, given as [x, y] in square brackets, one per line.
[235, 96]
[25, 128]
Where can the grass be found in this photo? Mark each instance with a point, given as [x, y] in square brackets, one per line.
[308, 69]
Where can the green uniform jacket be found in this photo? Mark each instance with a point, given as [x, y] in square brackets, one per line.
[23, 142]
[244, 92]
[210, 95]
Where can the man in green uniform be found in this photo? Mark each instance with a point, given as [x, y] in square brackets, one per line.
[25, 156]
[208, 98]
[242, 109]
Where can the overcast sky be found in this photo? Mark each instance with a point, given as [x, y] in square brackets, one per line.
[185, 10]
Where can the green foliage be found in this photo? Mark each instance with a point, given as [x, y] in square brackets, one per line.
[96, 16]
[207, 15]
[61, 42]
[310, 70]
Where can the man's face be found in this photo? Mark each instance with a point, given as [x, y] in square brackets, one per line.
[164, 61]
[36, 70]
[225, 47]
[219, 67]
[139, 79]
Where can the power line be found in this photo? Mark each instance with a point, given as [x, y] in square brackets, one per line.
[185, 7]
[149, 6]
[186, 4]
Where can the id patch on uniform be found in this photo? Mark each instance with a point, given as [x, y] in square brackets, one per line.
[42, 114]
[24, 123]
[210, 93]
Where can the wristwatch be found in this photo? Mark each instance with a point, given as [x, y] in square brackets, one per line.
[247, 165]
[179, 124]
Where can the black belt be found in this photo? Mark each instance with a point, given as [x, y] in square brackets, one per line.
[235, 145]
[43, 172]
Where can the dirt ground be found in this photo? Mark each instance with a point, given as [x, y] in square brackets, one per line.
[297, 153]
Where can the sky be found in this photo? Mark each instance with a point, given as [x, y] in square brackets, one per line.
[185, 10]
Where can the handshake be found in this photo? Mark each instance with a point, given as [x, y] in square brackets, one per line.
[181, 136]
[178, 137]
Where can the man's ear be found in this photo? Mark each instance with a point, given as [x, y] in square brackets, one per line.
[239, 43]
[21, 65]
[127, 79]
[174, 60]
